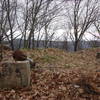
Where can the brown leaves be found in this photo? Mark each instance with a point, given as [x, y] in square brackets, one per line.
[62, 84]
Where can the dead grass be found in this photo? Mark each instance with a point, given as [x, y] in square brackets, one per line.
[51, 57]
[59, 58]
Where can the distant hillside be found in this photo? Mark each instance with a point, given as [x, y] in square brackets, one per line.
[60, 44]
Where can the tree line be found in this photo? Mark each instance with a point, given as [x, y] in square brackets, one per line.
[38, 20]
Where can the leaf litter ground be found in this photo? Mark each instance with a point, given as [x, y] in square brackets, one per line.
[60, 75]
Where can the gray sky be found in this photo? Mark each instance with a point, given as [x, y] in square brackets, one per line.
[61, 30]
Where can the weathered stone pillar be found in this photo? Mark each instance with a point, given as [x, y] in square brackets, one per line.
[15, 74]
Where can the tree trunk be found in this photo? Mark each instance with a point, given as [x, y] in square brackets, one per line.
[76, 45]
[1, 51]
[33, 42]
[29, 41]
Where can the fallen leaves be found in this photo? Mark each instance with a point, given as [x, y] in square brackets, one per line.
[63, 84]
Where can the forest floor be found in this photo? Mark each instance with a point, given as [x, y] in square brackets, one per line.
[59, 75]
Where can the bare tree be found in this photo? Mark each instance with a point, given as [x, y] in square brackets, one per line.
[37, 16]
[3, 25]
[51, 12]
[82, 14]
[23, 22]
[34, 13]
[97, 26]
[10, 8]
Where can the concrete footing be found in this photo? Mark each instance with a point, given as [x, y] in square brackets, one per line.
[15, 74]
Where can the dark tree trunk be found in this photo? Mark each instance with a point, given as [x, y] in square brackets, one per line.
[33, 42]
[10, 25]
[76, 45]
[1, 55]
[29, 41]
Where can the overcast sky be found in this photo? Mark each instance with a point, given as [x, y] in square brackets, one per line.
[61, 30]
